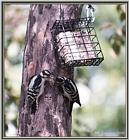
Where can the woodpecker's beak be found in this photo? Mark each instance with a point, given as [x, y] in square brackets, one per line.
[52, 77]
[52, 80]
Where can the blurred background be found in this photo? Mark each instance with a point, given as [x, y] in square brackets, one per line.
[102, 89]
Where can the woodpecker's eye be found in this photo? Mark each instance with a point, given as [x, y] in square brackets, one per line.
[59, 80]
[90, 6]
[46, 73]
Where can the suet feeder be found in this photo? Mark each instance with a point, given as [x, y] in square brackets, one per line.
[76, 42]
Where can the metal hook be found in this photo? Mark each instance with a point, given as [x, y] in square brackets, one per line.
[90, 10]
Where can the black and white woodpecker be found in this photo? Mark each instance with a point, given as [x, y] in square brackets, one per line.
[36, 86]
[69, 89]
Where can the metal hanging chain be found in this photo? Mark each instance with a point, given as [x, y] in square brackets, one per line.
[61, 13]
[90, 13]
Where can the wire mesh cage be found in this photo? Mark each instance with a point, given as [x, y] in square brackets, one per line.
[76, 42]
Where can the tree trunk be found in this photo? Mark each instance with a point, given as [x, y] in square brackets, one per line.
[51, 118]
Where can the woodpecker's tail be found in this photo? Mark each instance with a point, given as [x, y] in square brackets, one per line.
[79, 103]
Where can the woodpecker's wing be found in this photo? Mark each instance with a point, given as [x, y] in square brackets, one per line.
[71, 86]
[30, 79]
[74, 94]
[78, 100]
[35, 82]
[32, 93]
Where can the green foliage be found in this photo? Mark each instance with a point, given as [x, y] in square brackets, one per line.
[15, 28]
[116, 28]
[104, 114]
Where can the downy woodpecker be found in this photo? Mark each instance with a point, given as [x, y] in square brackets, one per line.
[69, 90]
[36, 87]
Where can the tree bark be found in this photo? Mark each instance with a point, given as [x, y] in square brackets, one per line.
[51, 118]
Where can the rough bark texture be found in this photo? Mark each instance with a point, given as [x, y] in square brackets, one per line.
[51, 118]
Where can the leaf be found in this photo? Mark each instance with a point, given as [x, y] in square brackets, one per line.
[124, 30]
[116, 46]
[118, 8]
[122, 16]
[116, 42]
